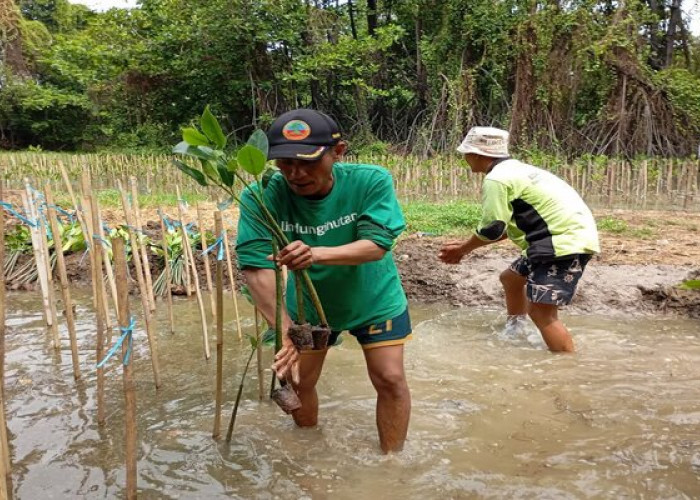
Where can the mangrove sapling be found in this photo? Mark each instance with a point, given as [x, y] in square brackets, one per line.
[285, 397]
[222, 170]
[254, 346]
[167, 272]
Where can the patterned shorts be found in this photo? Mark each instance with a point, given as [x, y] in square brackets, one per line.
[554, 281]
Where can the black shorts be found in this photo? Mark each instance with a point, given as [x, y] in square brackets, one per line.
[554, 281]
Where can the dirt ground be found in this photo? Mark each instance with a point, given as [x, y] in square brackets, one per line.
[637, 271]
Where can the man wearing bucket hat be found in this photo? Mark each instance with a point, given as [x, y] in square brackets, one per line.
[342, 220]
[541, 214]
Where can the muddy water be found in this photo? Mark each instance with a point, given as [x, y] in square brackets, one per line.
[493, 417]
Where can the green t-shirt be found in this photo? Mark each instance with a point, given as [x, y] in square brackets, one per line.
[361, 206]
[541, 213]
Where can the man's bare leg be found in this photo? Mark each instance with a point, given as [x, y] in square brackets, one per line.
[554, 333]
[514, 288]
[386, 371]
[310, 366]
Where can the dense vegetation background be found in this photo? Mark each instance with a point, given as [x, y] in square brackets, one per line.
[569, 77]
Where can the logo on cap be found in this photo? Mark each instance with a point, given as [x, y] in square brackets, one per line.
[296, 130]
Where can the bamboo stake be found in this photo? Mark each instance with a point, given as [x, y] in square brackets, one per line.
[144, 253]
[148, 320]
[109, 271]
[258, 349]
[101, 309]
[232, 279]
[49, 281]
[193, 268]
[207, 268]
[5, 466]
[63, 277]
[127, 370]
[168, 273]
[218, 228]
[2, 293]
[38, 257]
[87, 231]
[94, 221]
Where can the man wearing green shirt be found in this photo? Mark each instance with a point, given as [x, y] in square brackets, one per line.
[342, 220]
[541, 214]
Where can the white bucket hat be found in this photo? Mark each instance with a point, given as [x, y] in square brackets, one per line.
[486, 141]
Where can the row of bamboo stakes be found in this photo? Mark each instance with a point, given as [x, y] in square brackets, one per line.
[637, 183]
[618, 183]
[114, 289]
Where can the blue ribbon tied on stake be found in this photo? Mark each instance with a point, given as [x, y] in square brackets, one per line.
[127, 334]
[8, 207]
[219, 243]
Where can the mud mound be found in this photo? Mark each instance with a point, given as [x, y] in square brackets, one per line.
[604, 288]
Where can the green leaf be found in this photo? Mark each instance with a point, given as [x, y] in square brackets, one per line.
[268, 338]
[251, 159]
[201, 152]
[268, 175]
[253, 342]
[245, 291]
[225, 204]
[226, 176]
[258, 139]
[192, 172]
[212, 129]
[194, 137]
[210, 170]
[232, 165]
[691, 285]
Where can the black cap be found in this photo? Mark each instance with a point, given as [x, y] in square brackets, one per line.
[303, 134]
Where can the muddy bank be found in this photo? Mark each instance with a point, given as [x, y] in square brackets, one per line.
[606, 288]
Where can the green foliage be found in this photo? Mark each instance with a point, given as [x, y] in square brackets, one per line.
[612, 225]
[684, 90]
[690, 285]
[18, 239]
[135, 79]
[452, 218]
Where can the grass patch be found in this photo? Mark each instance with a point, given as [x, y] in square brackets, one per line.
[613, 225]
[451, 218]
[112, 199]
[616, 226]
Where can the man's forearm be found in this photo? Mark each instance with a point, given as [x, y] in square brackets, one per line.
[473, 243]
[352, 254]
[261, 283]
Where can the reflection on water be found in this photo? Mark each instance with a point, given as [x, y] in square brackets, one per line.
[492, 417]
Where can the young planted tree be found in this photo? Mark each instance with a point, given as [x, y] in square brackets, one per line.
[207, 160]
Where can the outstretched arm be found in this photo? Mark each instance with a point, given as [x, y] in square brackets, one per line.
[453, 251]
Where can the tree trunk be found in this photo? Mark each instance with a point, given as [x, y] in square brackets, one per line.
[371, 17]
